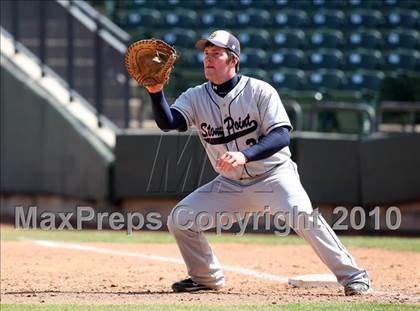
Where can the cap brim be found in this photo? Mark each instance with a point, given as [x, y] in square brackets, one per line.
[201, 44]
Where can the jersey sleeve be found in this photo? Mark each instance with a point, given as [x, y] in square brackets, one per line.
[183, 104]
[272, 112]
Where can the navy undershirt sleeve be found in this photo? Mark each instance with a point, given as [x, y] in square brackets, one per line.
[166, 118]
[268, 145]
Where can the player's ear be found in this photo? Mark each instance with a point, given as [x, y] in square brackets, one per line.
[235, 60]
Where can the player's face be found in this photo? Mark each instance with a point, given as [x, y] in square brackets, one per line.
[216, 66]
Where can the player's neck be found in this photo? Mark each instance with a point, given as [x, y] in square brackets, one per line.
[224, 88]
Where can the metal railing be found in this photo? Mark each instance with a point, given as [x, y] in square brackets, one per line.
[82, 46]
[294, 110]
[340, 106]
[411, 108]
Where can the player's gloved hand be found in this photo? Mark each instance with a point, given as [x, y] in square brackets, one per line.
[230, 160]
[155, 88]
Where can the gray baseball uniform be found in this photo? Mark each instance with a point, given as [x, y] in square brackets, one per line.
[233, 123]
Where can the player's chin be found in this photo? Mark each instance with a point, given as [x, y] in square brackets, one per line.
[208, 72]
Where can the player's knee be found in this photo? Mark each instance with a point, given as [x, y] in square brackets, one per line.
[180, 219]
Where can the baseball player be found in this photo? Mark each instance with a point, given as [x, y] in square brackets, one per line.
[244, 129]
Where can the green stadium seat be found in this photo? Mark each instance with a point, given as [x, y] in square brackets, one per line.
[253, 58]
[325, 80]
[255, 73]
[291, 18]
[366, 38]
[403, 18]
[153, 4]
[136, 4]
[360, 4]
[402, 38]
[332, 4]
[287, 4]
[365, 18]
[143, 17]
[187, 58]
[364, 80]
[181, 18]
[363, 59]
[328, 18]
[216, 18]
[327, 38]
[398, 4]
[200, 4]
[287, 58]
[253, 17]
[178, 37]
[288, 78]
[288, 38]
[325, 58]
[254, 38]
[247, 4]
[402, 60]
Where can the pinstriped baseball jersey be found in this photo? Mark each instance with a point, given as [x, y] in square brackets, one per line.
[235, 122]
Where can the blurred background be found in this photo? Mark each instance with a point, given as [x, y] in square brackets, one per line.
[76, 130]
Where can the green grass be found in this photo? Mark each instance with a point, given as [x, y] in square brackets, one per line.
[108, 236]
[291, 307]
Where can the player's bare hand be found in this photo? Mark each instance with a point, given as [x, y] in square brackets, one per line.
[155, 88]
[230, 160]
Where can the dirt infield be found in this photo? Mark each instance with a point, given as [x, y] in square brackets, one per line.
[32, 273]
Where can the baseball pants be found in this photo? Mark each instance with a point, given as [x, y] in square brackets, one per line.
[282, 192]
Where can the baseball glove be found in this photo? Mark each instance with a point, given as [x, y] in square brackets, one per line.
[150, 61]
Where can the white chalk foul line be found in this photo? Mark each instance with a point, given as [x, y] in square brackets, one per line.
[80, 247]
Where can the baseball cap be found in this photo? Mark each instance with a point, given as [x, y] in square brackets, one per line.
[223, 39]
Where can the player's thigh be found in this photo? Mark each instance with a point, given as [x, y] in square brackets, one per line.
[219, 201]
[282, 191]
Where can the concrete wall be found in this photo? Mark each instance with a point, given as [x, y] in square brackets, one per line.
[44, 149]
[334, 168]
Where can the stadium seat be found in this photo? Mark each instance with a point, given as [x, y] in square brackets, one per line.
[253, 58]
[328, 18]
[360, 4]
[402, 18]
[328, 4]
[187, 58]
[178, 37]
[289, 58]
[181, 18]
[324, 80]
[391, 4]
[255, 73]
[326, 38]
[138, 4]
[365, 18]
[291, 18]
[364, 79]
[288, 38]
[200, 4]
[286, 4]
[402, 38]
[363, 59]
[144, 17]
[153, 4]
[253, 17]
[402, 60]
[325, 58]
[216, 18]
[292, 79]
[248, 4]
[364, 38]
[254, 38]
